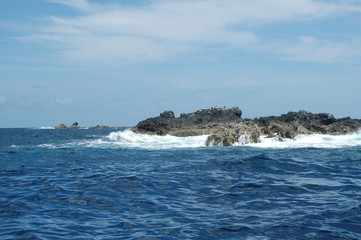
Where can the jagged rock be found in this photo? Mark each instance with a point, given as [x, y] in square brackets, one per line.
[225, 126]
[167, 114]
[75, 125]
[214, 140]
[167, 122]
[228, 141]
[294, 123]
[344, 126]
[212, 115]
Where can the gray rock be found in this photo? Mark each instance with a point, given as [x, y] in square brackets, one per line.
[166, 123]
[167, 114]
[225, 126]
[294, 123]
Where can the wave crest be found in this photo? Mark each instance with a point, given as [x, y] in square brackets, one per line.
[129, 139]
[311, 141]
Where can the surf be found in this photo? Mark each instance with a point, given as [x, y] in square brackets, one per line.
[127, 139]
[311, 141]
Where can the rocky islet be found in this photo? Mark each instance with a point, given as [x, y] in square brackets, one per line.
[225, 126]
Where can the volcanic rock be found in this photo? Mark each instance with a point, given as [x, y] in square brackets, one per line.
[225, 127]
[302, 122]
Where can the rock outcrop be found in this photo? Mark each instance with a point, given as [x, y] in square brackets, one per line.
[225, 127]
[190, 124]
[294, 123]
[61, 126]
[99, 126]
[75, 125]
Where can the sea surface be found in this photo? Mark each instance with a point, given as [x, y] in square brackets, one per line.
[115, 184]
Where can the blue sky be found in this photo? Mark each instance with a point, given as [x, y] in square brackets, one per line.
[119, 62]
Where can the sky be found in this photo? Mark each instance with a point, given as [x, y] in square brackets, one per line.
[118, 62]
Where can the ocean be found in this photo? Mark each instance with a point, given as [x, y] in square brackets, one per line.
[115, 184]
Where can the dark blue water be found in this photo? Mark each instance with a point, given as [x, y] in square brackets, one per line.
[59, 184]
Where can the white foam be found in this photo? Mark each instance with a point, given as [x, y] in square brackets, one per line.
[314, 140]
[129, 139]
[47, 146]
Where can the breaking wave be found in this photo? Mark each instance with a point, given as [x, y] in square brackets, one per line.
[130, 140]
[45, 128]
[311, 141]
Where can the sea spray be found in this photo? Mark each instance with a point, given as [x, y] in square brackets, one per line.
[129, 139]
[312, 140]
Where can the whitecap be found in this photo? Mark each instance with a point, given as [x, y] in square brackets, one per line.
[47, 146]
[129, 139]
[45, 128]
[312, 140]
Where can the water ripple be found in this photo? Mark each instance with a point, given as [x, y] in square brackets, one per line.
[205, 193]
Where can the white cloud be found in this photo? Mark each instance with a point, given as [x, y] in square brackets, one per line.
[82, 5]
[159, 29]
[2, 100]
[65, 101]
[311, 49]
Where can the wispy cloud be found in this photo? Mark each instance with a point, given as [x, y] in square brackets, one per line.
[82, 5]
[160, 29]
[312, 49]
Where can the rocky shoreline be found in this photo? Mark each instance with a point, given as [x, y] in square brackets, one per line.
[225, 126]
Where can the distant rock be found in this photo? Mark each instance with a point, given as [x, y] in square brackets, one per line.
[225, 127]
[61, 126]
[75, 125]
[100, 126]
